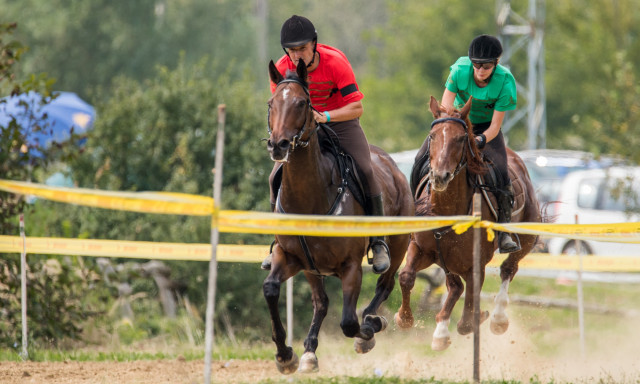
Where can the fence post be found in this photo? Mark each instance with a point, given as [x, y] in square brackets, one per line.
[23, 289]
[213, 264]
[580, 296]
[477, 285]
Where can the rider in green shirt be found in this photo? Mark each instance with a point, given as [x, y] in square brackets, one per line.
[493, 88]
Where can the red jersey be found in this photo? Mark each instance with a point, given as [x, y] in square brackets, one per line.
[332, 84]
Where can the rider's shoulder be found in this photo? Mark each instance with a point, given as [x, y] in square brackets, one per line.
[331, 52]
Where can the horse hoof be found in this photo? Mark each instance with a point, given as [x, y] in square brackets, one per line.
[440, 343]
[377, 322]
[288, 367]
[364, 346]
[403, 323]
[308, 363]
[499, 324]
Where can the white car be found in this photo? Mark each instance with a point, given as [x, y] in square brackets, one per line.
[609, 195]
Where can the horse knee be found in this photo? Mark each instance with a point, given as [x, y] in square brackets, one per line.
[407, 279]
[271, 289]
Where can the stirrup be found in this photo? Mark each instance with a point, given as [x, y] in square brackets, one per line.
[266, 263]
[378, 269]
[511, 248]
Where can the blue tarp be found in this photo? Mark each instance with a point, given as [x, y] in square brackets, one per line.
[62, 116]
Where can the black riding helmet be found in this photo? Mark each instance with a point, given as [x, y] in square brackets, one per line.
[485, 49]
[297, 31]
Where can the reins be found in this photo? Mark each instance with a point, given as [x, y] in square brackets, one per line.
[461, 165]
[297, 141]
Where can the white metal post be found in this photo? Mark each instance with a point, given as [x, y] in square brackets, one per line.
[213, 264]
[23, 288]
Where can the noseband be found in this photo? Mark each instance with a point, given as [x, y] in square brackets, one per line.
[297, 139]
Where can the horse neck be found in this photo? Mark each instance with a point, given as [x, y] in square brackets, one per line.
[455, 200]
[305, 179]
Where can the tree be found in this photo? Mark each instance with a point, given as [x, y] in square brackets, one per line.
[591, 76]
[159, 135]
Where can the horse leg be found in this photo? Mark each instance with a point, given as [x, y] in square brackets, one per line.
[415, 262]
[384, 286]
[465, 325]
[320, 300]
[441, 335]
[499, 320]
[286, 358]
[351, 277]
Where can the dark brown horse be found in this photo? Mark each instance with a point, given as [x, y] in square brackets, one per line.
[311, 184]
[455, 164]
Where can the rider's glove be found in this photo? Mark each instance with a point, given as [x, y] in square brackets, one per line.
[481, 141]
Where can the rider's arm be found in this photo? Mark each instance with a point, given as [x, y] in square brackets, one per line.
[496, 123]
[348, 112]
[447, 99]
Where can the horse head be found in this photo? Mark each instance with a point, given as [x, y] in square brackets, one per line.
[290, 113]
[452, 146]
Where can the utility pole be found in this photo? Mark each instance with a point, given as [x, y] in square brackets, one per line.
[516, 32]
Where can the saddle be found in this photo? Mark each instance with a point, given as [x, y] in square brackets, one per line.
[350, 174]
[486, 183]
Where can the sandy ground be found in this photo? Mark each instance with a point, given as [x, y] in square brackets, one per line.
[404, 354]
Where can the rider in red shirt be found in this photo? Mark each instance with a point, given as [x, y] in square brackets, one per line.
[338, 103]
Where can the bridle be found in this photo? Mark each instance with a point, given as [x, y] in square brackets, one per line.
[297, 140]
[461, 165]
[463, 159]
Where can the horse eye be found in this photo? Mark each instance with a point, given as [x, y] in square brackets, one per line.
[301, 103]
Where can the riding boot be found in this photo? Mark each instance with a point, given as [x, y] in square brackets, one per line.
[380, 259]
[505, 207]
[266, 263]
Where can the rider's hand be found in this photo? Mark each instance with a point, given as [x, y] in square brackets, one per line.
[319, 117]
[481, 141]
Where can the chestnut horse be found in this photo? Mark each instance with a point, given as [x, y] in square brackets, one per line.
[311, 184]
[455, 165]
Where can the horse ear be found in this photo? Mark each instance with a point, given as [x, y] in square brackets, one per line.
[302, 70]
[434, 106]
[274, 74]
[467, 107]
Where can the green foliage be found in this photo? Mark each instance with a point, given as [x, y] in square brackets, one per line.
[591, 77]
[60, 298]
[19, 159]
[85, 44]
[409, 59]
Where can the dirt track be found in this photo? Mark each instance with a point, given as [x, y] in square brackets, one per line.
[401, 354]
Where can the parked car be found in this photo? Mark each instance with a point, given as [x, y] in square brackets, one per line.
[610, 195]
[548, 168]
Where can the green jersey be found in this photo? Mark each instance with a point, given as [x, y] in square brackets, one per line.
[499, 94]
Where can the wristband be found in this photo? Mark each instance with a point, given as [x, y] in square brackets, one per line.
[328, 116]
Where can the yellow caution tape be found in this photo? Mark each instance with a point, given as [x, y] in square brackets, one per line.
[133, 249]
[572, 263]
[333, 226]
[614, 232]
[147, 202]
[256, 253]
[310, 225]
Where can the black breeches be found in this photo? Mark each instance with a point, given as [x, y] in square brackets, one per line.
[495, 151]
